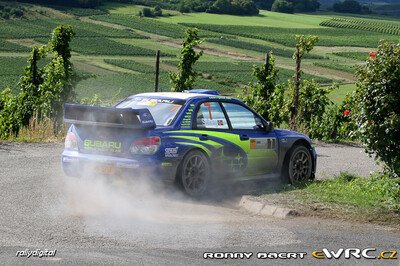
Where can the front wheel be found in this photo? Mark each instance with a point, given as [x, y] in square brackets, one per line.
[194, 174]
[299, 165]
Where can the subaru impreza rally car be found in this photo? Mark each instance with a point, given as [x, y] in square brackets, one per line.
[191, 138]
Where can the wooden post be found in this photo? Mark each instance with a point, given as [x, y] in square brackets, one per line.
[157, 70]
[266, 64]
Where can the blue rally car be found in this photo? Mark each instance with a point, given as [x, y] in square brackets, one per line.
[191, 138]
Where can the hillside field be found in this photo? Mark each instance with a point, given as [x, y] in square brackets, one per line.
[114, 49]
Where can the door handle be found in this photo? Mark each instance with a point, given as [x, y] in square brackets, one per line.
[203, 137]
[244, 137]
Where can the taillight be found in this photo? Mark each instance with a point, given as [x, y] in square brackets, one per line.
[146, 146]
[71, 142]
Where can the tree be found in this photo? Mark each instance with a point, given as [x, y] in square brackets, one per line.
[378, 105]
[282, 6]
[184, 79]
[348, 6]
[260, 95]
[303, 46]
[43, 90]
[59, 44]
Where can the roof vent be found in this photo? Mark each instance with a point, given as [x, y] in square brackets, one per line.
[203, 91]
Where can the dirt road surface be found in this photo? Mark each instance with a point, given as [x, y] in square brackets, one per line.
[101, 222]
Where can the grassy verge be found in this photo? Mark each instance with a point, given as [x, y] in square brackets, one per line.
[373, 199]
[39, 132]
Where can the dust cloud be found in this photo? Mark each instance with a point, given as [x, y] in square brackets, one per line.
[132, 204]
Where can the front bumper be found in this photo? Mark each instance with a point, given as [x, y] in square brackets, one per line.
[81, 164]
[314, 156]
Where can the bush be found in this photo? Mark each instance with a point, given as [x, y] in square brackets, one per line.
[146, 12]
[378, 101]
[337, 122]
[313, 101]
[9, 113]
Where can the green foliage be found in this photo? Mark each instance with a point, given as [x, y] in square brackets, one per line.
[363, 24]
[304, 44]
[282, 6]
[44, 90]
[148, 12]
[350, 6]
[378, 101]
[233, 7]
[338, 122]
[11, 11]
[260, 92]
[284, 36]
[184, 79]
[9, 113]
[278, 111]
[313, 101]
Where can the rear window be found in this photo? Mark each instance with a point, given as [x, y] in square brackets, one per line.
[163, 111]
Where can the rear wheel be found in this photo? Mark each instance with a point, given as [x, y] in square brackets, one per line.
[194, 173]
[299, 165]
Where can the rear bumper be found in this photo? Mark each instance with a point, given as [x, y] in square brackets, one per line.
[80, 164]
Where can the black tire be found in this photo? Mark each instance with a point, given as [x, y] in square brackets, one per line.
[298, 165]
[194, 174]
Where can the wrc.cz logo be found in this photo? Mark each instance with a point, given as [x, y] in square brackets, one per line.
[368, 253]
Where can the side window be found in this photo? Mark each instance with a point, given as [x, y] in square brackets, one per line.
[210, 115]
[241, 117]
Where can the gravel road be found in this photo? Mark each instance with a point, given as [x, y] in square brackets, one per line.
[336, 158]
[101, 222]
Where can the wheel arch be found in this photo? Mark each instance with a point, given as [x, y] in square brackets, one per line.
[299, 142]
[191, 149]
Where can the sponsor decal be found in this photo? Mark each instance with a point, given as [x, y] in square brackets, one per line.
[263, 143]
[171, 152]
[187, 119]
[113, 146]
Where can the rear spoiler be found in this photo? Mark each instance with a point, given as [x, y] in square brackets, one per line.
[108, 116]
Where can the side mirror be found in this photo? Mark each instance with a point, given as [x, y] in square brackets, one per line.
[269, 126]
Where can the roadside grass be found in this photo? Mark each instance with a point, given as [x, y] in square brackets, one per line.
[39, 132]
[375, 198]
[375, 191]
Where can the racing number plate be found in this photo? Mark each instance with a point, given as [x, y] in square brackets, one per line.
[107, 169]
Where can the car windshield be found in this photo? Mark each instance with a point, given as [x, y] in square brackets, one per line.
[162, 110]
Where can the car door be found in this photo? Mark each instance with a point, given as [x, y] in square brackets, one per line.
[262, 145]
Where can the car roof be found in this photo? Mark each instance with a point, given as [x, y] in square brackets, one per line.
[176, 95]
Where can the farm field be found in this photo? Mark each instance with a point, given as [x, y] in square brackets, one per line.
[114, 49]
